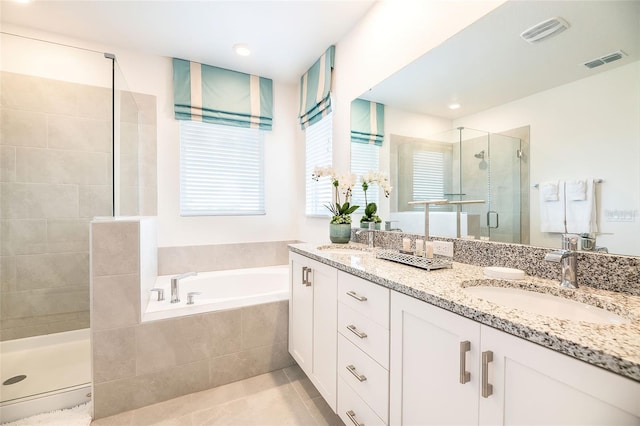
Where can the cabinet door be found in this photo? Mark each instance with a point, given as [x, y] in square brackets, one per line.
[300, 314]
[427, 353]
[536, 385]
[324, 281]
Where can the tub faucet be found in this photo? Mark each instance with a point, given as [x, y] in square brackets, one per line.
[567, 258]
[174, 285]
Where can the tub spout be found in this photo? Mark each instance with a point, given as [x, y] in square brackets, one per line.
[174, 285]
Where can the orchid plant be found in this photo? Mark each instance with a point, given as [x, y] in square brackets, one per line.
[342, 184]
[371, 209]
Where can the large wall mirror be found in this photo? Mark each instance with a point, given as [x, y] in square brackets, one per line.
[559, 109]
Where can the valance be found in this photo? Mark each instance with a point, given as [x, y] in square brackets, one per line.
[367, 122]
[315, 90]
[217, 95]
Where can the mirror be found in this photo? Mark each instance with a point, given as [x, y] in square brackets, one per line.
[574, 121]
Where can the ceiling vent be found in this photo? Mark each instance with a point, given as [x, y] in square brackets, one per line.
[544, 30]
[605, 59]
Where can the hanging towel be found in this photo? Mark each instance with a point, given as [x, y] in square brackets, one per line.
[581, 214]
[576, 190]
[552, 210]
[549, 191]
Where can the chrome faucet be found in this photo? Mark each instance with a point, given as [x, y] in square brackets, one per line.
[567, 258]
[175, 298]
[370, 233]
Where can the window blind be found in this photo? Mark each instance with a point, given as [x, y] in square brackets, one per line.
[318, 153]
[221, 170]
[364, 158]
[428, 177]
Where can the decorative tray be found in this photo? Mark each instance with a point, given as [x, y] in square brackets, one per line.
[437, 262]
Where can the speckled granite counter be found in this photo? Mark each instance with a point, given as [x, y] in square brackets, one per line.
[613, 347]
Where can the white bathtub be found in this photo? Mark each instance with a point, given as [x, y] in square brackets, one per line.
[228, 289]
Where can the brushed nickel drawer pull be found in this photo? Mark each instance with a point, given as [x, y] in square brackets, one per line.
[361, 334]
[352, 417]
[357, 296]
[352, 370]
[304, 279]
[465, 376]
[487, 388]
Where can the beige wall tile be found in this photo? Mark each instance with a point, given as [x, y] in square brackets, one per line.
[114, 354]
[7, 273]
[39, 94]
[75, 324]
[147, 108]
[114, 397]
[94, 102]
[23, 236]
[115, 248]
[44, 302]
[95, 200]
[52, 270]
[7, 163]
[128, 107]
[34, 165]
[160, 412]
[35, 201]
[224, 332]
[23, 128]
[79, 134]
[265, 324]
[67, 235]
[116, 301]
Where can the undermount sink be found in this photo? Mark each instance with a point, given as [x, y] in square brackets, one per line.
[545, 304]
[350, 249]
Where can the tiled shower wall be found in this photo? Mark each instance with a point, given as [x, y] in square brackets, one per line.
[55, 175]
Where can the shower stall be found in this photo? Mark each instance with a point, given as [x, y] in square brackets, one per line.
[69, 151]
[463, 165]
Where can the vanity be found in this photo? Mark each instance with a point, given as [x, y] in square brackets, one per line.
[386, 343]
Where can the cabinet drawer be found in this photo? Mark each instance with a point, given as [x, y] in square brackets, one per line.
[372, 338]
[350, 403]
[365, 376]
[366, 298]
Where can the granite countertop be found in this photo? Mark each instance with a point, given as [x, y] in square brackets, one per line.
[614, 347]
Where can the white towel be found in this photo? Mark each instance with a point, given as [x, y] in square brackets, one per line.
[581, 214]
[576, 190]
[549, 191]
[552, 211]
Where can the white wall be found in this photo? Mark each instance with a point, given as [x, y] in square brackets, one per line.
[588, 128]
[392, 35]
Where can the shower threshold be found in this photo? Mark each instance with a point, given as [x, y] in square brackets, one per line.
[57, 369]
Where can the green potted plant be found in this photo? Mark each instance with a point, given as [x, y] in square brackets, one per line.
[371, 209]
[340, 224]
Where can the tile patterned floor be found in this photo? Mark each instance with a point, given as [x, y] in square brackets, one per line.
[282, 397]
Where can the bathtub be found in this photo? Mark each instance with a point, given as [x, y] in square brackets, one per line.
[220, 290]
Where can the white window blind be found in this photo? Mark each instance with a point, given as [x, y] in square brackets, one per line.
[221, 170]
[364, 159]
[318, 154]
[428, 176]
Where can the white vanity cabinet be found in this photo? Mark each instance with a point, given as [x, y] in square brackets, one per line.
[363, 351]
[446, 369]
[312, 322]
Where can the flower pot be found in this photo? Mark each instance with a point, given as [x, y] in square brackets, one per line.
[340, 233]
[365, 225]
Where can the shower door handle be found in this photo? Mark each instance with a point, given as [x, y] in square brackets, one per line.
[489, 219]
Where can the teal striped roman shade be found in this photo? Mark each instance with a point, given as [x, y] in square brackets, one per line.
[367, 122]
[217, 95]
[315, 90]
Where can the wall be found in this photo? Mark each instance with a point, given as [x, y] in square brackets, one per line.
[390, 36]
[588, 128]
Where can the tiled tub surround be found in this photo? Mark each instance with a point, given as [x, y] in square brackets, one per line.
[141, 363]
[55, 175]
[613, 347]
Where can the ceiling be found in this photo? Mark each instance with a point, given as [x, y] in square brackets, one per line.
[488, 64]
[285, 37]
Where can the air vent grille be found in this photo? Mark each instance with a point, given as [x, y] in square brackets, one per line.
[544, 30]
[610, 57]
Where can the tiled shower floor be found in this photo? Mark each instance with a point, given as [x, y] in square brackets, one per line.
[283, 397]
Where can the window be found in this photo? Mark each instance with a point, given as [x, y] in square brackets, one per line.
[364, 159]
[428, 176]
[318, 154]
[221, 170]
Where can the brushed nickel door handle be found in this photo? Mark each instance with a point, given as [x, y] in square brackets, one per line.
[352, 370]
[465, 376]
[357, 296]
[487, 388]
[361, 334]
[352, 417]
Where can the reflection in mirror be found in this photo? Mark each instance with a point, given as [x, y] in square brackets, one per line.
[576, 121]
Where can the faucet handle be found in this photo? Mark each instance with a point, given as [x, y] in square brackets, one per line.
[160, 293]
[191, 297]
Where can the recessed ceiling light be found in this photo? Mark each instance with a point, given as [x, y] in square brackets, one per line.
[454, 106]
[241, 49]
